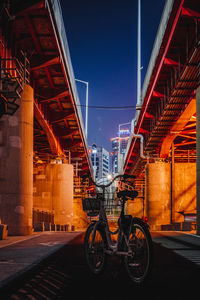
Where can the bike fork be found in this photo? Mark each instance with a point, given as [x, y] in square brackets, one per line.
[93, 235]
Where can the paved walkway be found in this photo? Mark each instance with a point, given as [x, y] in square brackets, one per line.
[186, 245]
[20, 254]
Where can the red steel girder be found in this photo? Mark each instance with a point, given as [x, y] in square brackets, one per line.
[38, 46]
[61, 116]
[39, 5]
[149, 96]
[142, 114]
[60, 95]
[53, 142]
[190, 13]
[51, 62]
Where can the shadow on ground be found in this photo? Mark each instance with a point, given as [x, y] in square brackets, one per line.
[65, 276]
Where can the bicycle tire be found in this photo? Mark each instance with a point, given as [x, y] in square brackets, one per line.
[139, 264]
[95, 257]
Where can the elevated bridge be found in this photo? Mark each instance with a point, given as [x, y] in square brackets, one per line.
[166, 119]
[43, 145]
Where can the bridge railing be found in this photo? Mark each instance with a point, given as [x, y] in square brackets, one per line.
[14, 73]
[56, 13]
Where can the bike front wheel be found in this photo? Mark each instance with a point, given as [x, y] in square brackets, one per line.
[138, 262]
[94, 247]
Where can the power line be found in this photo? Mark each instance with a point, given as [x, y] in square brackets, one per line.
[108, 107]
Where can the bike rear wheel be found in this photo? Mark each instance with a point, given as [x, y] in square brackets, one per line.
[94, 248]
[138, 262]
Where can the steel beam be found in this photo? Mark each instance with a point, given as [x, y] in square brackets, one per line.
[53, 142]
[178, 127]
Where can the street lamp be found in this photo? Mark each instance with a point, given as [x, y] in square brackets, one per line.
[86, 105]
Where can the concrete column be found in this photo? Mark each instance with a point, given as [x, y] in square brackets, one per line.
[185, 189]
[158, 193]
[62, 193]
[16, 167]
[53, 191]
[80, 219]
[198, 157]
[42, 188]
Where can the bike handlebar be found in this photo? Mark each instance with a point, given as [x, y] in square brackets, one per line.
[124, 176]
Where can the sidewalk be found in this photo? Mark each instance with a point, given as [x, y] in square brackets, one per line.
[20, 254]
[186, 245]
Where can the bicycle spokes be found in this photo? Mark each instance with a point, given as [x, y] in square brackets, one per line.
[95, 246]
[138, 263]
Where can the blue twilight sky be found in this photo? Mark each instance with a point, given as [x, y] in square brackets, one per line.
[102, 37]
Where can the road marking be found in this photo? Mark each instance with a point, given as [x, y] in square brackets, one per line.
[51, 244]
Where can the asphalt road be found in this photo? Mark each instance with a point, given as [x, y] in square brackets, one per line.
[64, 275]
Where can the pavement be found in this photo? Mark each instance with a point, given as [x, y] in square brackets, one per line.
[20, 254]
[184, 244]
[177, 257]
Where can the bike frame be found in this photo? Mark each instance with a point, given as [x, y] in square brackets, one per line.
[112, 247]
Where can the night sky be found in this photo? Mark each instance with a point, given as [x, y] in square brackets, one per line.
[102, 37]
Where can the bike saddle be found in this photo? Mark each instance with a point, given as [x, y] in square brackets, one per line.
[128, 194]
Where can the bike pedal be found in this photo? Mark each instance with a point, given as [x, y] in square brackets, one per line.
[109, 252]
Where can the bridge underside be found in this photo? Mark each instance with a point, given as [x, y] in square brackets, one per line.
[167, 120]
[37, 29]
[43, 147]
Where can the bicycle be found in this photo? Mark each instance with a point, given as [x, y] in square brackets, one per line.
[133, 245]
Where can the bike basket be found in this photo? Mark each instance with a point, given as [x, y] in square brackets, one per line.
[91, 204]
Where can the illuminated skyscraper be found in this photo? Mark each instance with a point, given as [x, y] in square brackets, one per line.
[119, 145]
[100, 161]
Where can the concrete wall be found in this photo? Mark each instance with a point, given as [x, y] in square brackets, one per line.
[62, 193]
[42, 189]
[158, 193]
[158, 201]
[185, 189]
[135, 207]
[53, 191]
[80, 219]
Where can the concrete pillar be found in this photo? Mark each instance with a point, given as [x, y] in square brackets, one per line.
[80, 219]
[135, 207]
[53, 191]
[16, 167]
[198, 157]
[158, 193]
[185, 189]
[42, 188]
[62, 193]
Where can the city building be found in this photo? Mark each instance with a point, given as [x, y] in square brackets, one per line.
[119, 145]
[100, 161]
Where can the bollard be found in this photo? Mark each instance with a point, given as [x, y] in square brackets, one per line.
[53, 227]
[38, 226]
[3, 231]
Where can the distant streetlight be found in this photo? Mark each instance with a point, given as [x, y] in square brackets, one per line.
[86, 105]
[109, 176]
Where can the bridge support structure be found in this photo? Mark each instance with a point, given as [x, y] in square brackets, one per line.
[53, 192]
[158, 193]
[16, 167]
[170, 192]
